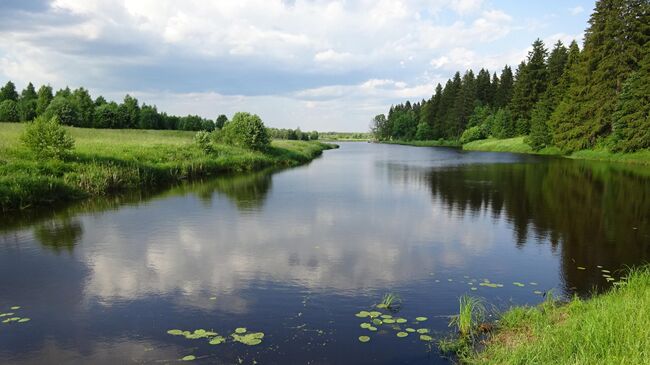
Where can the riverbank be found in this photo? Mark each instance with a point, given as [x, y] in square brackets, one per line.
[433, 143]
[517, 145]
[609, 328]
[112, 161]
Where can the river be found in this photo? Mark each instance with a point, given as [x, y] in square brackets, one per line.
[295, 254]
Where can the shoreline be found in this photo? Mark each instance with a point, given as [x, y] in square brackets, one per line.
[603, 329]
[517, 145]
[109, 162]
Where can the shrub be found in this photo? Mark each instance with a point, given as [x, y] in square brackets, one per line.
[247, 131]
[202, 140]
[9, 111]
[472, 134]
[47, 138]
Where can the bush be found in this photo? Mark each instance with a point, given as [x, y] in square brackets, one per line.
[47, 138]
[9, 111]
[202, 140]
[247, 131]
[472, 134]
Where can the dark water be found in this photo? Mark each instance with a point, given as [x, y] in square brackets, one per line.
[295, 254]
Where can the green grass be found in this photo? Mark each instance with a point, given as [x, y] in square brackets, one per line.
[610, 328]
[110, 161]
[515, 145]
[433, 143]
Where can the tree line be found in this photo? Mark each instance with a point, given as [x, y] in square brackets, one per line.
[566, 97]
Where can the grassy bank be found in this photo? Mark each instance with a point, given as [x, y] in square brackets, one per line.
[517, 145]
[110, 161]
[433, 143]
[610, 328]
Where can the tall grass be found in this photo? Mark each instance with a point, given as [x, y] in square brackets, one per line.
[611, 328]
[471, 312]
[110, 161]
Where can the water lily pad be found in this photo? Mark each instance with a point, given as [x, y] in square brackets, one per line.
[450, 280]
[389, 321]
[402, 334]
[374, 314]
[250, 339]
[581, 268]
[6, 320]
[377, 322]
[422, 331]
[365, 325]
[240, 330]
[421, 319]
[532, 283]
[426, 338]
[175, 332]
[6, 314]
[400, 320]
[189, 358]
[516, 283]
[373, 329]
[473, 288]
[217, 340]
[606, 271]
[537, 292]
[23, 320]
[364, 338]
[411, 330]
[16, 307]
[213, 298]
[363, 314]
[385, 316]
[381, 306]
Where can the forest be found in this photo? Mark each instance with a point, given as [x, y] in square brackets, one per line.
[565, 97]
[76, 108]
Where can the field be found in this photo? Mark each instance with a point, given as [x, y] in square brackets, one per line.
[112, 161]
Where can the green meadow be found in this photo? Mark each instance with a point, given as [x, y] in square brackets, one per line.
[109, 161]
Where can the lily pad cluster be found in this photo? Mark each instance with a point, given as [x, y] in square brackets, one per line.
[11, 317]
[239, 335]
[401, 326]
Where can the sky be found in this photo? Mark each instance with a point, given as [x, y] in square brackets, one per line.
[317, 65]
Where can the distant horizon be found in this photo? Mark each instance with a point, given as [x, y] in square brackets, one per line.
[324, 66]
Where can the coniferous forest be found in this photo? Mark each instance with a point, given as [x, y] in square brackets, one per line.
[566, 96]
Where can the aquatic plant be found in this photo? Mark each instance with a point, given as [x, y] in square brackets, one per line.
[471, 312]
[390, 301]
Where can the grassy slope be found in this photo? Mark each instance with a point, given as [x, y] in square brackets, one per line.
[610, 328]
[517, 145]
[107, 161]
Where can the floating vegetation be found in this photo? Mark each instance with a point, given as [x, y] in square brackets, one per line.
[532, 283]
[389, 321]
[581, 268]
[377, 322]
[372, 329]
[537, 292]
[516, 283]
[213, 298]
[422, 331]
[421, 319]
[364, 339]
[189, 358]
[606, 271]
[374, 314]
[426, 338]
[10, 317]
[473, 288]
[386, 316]
[401, 320]
[365, 325]
[411, 330]
[402, 334]
[363, 314]
[239, 335]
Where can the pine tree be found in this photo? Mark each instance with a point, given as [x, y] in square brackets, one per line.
[530, 85]
[614, 42]
[483, 87]
[632, 116]
[8, 92]
[504, 92]
[44, 99]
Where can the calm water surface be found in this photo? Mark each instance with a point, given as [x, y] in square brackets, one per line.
[295, 254]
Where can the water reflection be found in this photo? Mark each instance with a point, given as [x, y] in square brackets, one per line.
[59, 235]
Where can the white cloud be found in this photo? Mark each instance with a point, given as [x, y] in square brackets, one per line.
[576, 10]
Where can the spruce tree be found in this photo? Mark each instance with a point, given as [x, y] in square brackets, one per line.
[632, 116]
[530, 85]
[8, 92]
[614, 42]
[44, 99]
[504, 91]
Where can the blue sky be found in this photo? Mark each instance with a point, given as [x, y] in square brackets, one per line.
[323, 65]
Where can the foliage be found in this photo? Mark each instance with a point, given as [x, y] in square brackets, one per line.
[9, 111]
[47, 138]
[63, 110]
[221, 121]
[632, 116]
[202, 140]
[247, 131]
[472, 134]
